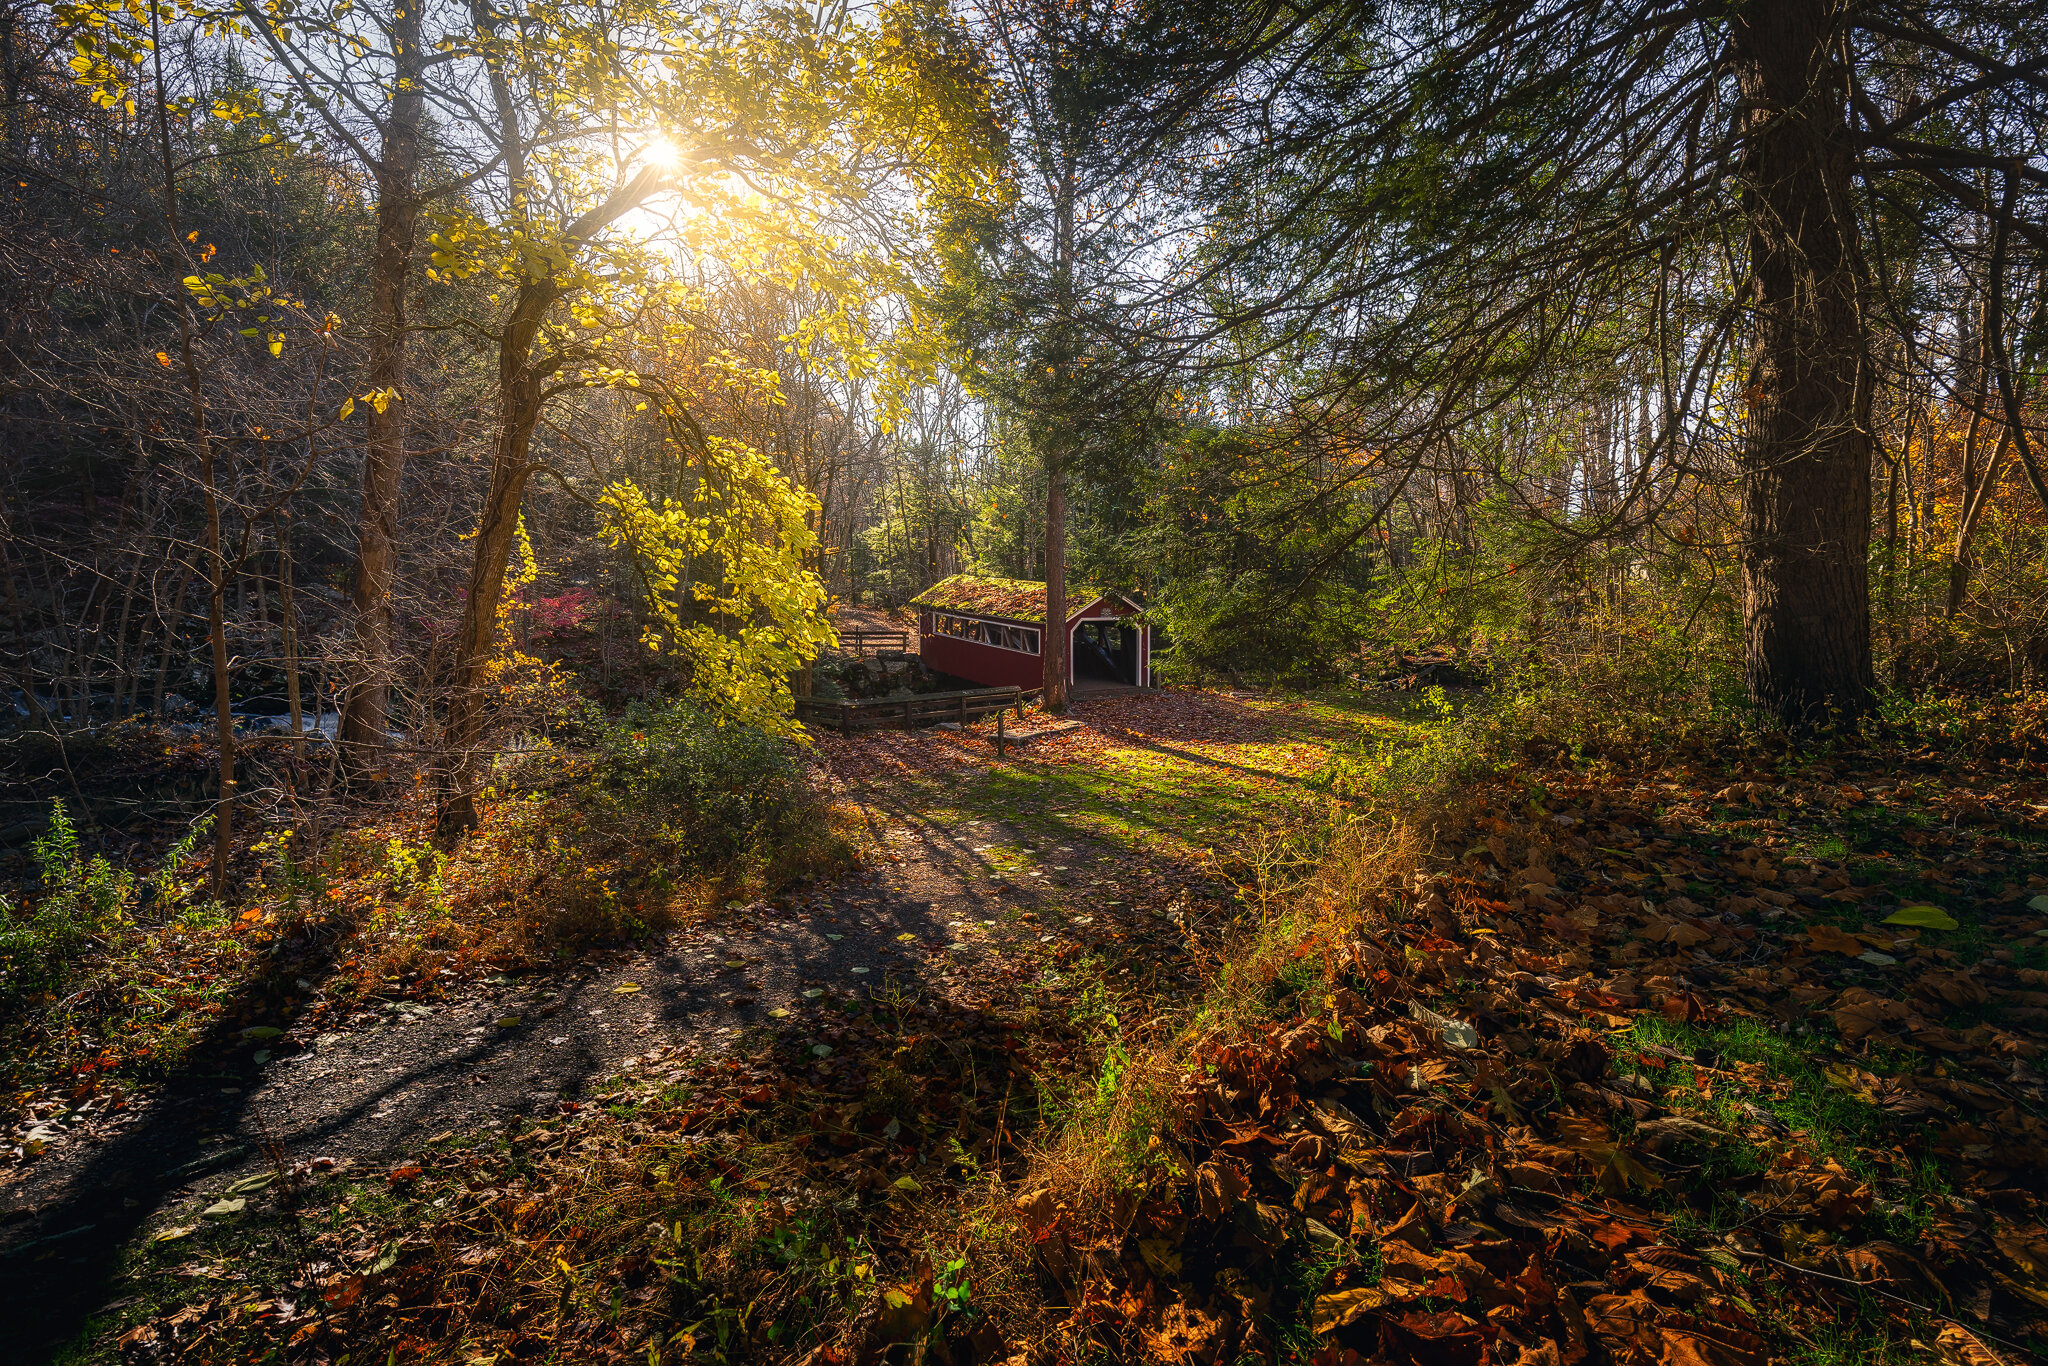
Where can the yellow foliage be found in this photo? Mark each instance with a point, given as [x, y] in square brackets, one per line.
[727, 584]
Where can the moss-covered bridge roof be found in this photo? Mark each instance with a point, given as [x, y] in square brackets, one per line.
[1010, 599]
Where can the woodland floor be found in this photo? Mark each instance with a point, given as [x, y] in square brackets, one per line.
[1098, 841]
[1724, 1055]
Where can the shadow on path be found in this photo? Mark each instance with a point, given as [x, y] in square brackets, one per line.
[56, 1265]
[378, 1094]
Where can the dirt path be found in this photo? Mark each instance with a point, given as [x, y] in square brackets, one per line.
[933, 915]
[1090, 846]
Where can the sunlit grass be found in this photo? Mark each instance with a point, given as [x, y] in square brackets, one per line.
[1178, 797]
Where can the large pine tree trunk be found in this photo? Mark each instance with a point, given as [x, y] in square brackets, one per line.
[1806, 457]
[1056, 435]
[366, 713]
[1053, 640]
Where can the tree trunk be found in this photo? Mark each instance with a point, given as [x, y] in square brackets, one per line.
[519, 398]
[289, 609]
[1054, 639]
[217, 571]
[173, 624]
[1974, 499]
[1806, 457]
[10, 83]
[1055, 434]
[522, 394]
[1976, 382]
[217, 575]
[366, 713]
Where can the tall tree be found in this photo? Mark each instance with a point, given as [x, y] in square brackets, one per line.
[1431, 206]
[812, 148]
[1041, 288]
[363, 76]
[1806, 448]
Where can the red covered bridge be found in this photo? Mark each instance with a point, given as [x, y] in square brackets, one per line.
[990, 631]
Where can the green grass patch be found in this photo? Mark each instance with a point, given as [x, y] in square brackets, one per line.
[1190, 792]
[1756, 1073]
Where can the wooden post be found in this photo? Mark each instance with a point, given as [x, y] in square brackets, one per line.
[963, 711]
[846, 718]
[909, 722]
[1000, 714]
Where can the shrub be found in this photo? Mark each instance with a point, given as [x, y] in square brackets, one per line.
[82, 899]
[1603, 686]
[85, 903]
[724, 794]
[2006, 726]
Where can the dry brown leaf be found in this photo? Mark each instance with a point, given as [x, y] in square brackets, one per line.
[1219, 1186]
[1184, 1334]
[1832, 939]
[1960, 1347]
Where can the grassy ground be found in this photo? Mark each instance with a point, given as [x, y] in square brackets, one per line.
[1229, 785]
[1664, 1022]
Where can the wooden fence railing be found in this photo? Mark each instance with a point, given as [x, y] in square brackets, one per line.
[908, 713]
[862, 641]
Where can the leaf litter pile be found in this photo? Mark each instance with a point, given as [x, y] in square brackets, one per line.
[1641, 1077]
[1650, 1067]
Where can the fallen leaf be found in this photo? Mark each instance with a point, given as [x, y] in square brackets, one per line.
[343, 1292]
[2030, 1256]
[1161, 1255]
[1960, 1347]
[1830, 939]
[907, 1308]
[1219, 1187]
[1456, 1033]
[1859, 1012]
[1660, 1134]
[1334, 1311]
[1922, 918]
[1037, 1211]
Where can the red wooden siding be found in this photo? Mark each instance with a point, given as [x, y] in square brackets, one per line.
[987, 665]
[995, 667]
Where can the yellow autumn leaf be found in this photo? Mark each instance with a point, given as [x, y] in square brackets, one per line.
[1333, 1311]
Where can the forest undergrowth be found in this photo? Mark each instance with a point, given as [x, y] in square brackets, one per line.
[1711, 1048]
[1679, 1044]
[116, 967]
